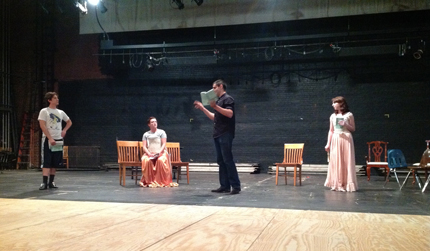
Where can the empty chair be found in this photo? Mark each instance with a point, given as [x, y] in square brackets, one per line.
[128, 155]
[293, 157]
[377, 149]
[396, 160]
[66, 155]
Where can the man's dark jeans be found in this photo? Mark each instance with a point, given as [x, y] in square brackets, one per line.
[228, 175]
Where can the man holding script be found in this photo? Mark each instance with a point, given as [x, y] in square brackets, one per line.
[223, 134]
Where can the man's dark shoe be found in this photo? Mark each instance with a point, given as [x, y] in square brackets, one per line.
[220, 190]
[52, 185]
[235, 191]
[43, 186]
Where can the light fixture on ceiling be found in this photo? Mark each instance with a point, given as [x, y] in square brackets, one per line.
[336, 48]
[198, 2]
[420, 51]
[99, 5]
[82, 5]
[149, 64]
[93, 2]
[179, 3]
[418, 54]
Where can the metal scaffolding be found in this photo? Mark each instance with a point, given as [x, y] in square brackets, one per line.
[8, 129]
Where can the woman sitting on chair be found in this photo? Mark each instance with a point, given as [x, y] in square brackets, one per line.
[156, 168]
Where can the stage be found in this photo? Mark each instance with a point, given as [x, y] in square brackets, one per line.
[90, 211]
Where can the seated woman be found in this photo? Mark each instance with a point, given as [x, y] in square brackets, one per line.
[156, 168]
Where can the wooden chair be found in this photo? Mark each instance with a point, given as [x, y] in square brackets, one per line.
[377, 149]
[293, 157]
[128, 155]
[66, 155]
[174, 150]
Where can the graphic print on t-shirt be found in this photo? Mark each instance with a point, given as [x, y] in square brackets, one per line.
[54, 121]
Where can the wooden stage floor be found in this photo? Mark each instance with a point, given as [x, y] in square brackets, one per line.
[90, 211]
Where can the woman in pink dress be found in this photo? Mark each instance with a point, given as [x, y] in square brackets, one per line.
[341, 175]
[156, 168]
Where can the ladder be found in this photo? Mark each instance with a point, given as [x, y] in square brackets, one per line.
[23, 158]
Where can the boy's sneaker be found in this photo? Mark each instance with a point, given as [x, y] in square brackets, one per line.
[52, 185]
[43, 186]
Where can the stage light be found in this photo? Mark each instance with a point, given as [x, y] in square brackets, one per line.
[420, 51]
[94, 2]
[149, 64]
[198, 2]
[418, 54]
[179, 4]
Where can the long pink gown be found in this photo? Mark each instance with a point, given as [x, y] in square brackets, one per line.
[341, 173]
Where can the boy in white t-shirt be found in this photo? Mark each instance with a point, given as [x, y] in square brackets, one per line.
[50, 121]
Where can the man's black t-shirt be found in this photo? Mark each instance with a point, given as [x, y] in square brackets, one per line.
[223, 124]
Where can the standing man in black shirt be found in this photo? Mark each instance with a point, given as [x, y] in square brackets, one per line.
[223, 134]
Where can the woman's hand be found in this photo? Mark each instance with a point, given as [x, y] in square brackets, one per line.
[327, 148]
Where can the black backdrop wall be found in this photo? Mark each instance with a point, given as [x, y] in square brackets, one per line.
[269, 113]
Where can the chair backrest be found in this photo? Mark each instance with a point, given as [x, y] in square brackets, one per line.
[293, 153]
[65, 152]
[425, 159]
[377, 149]
[396, 159]
[128, 151]
[141, 152]
[174, 149]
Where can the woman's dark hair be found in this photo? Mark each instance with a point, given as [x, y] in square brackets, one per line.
[342, 102]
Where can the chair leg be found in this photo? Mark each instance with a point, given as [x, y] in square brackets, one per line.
[300, 175]
[124, 170]
[137, 173]
[418, 179]
[120, 175]
[277, 173]
[426, 184]
[368, 173]
[178, 173]
[285, 174]
[188, 175]
[388, 177]
[295, 175]
[397, 178]
[406, 179]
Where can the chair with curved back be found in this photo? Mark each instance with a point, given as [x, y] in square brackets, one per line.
[396, 160]
[293, 157]
[377, 149]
